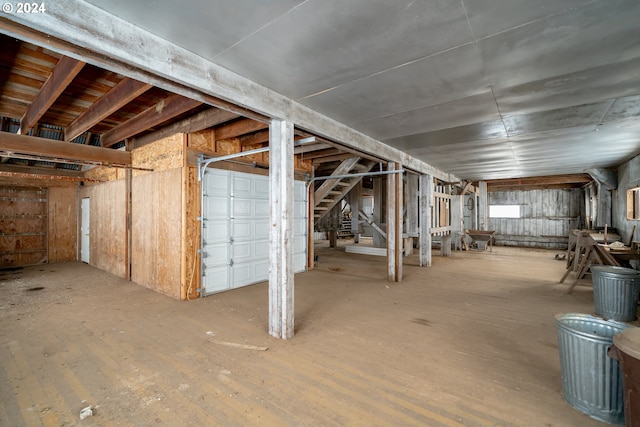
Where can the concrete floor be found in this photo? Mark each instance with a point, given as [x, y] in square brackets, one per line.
[468, 342]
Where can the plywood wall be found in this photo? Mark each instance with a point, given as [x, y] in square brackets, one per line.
[191, 235]
[157, 231]
[161, 155]
[108, 231]
[63, 224]
[23, 226]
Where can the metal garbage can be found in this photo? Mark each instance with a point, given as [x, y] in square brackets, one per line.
[615, 292]
[626, 349]
[591, 381]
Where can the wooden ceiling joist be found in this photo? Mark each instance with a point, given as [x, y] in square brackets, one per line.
[29, 145]
[195, 123]
[170, 107]
[63, 73]
[539, 182]
[120, 95]
[35, 170]
[238, 128]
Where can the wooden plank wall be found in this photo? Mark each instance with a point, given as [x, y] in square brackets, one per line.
[108, 232]
[63, 224]
[23, 226]
[547, 217]
[157, 231]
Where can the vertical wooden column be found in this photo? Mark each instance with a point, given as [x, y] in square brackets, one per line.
[394, 224]
[311, 225]
[426, 200]
[483, 206]
[355, 197]
[457, 220]
[411, 203]
[281, 286]
[128, 208]
[379, 241]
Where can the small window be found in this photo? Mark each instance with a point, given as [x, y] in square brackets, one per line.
[504, 211]
[633, 203]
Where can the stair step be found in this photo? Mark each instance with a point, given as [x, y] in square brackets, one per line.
[361, 168]
[344, 183]
[335, 193]
[322, 208]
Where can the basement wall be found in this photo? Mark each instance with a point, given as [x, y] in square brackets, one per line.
[628, 178]
[547, 217]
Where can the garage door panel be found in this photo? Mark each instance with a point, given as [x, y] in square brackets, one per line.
[217, 254]
[261, 229]
[241, 230]
[261, 187]
[216, 182]
[242, 208]
[216, 232]
[237, 226]
[217, 206]
[216, 279]
[261, 208]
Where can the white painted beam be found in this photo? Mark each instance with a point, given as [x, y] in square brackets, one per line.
[426, 200]
[281, 285]
[84, 31]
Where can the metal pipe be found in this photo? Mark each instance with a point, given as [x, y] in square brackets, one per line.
[354, 175]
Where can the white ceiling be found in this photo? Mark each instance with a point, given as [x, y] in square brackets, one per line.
[481, 89]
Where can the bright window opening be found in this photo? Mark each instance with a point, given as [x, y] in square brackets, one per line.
[504, 211]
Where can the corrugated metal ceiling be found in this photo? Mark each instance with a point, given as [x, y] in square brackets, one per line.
[479, 88]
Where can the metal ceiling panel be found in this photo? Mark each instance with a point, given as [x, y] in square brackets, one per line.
[489, 17]
[459, 112]
[584, 87]
[448, 76]
[206, 28]
[557, 119]
[600, 33]
[327, 43]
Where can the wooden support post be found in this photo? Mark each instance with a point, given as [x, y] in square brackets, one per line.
[379, 241]
[426, 196]
[281, 285]
[445, 249]
[411, 202]
[457, 220]
[483, 207]
[311, 263]
[354, 201]
[394, 224]
[333, 238]
[129, 205]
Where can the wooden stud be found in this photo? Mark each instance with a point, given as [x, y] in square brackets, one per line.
[483, 206]
[281, 279]
[394, 224]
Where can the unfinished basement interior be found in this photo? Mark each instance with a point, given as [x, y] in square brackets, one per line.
[309, 213]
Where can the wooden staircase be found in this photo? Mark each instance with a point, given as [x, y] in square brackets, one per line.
[332, 191]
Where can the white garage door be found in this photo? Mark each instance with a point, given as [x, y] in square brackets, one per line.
[236, 229]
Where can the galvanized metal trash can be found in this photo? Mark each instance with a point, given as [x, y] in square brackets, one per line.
[591, 381]
[626, 349]
[615, 292]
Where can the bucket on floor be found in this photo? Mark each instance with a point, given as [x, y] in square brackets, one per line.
[626, 349]
[591, 381]
[615, 292]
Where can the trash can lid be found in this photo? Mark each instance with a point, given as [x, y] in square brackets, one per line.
[628, 341]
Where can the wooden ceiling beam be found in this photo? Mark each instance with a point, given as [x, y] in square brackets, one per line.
[39, 170]
[168, 108]
[541, 180]
[63, 73]
[22, 144]
[238, 128]
[195, 123]
[118, 96]
[323, 153]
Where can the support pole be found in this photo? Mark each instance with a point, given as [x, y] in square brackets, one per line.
[355, 197]
[394, 224]
[426, 200]
[281, 285]
[483, 206]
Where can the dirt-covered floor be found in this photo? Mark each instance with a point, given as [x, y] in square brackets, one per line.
[470, 341]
